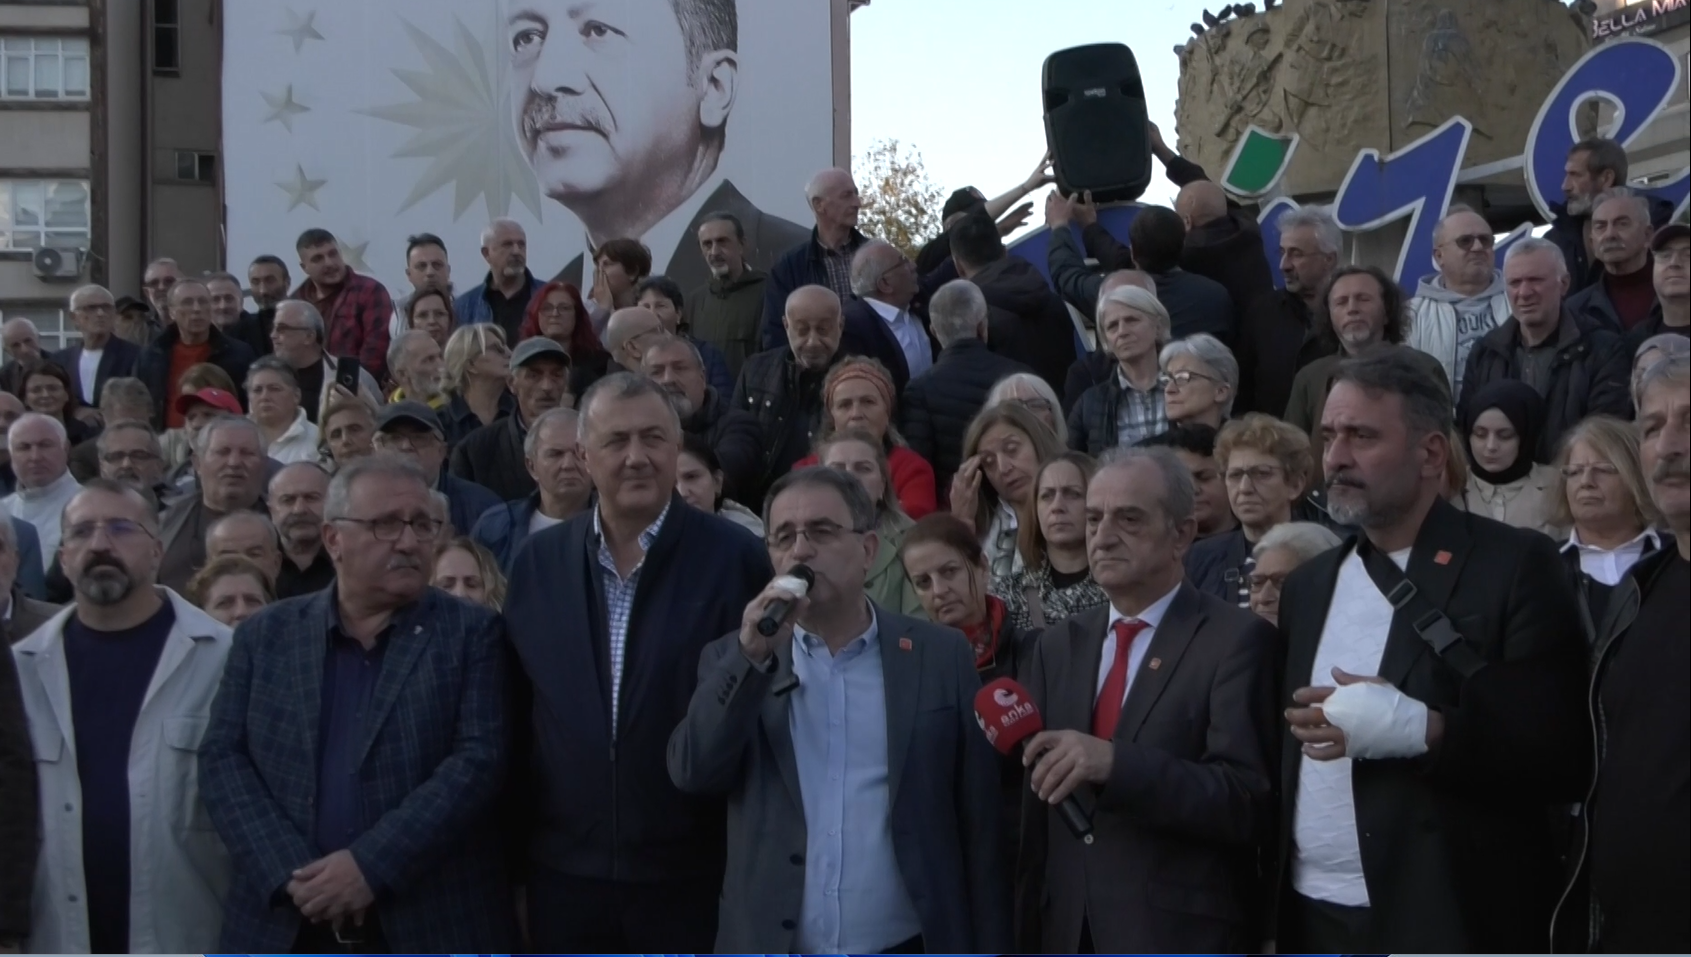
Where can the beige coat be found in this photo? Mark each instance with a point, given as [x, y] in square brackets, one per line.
[1524, 503]
[179, 870]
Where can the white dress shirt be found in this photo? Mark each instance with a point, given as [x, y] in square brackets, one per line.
[1607, 565]
[912, 339]
[1152, 616]
[88, 370]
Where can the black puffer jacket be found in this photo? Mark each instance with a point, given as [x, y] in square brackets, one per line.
[1026, 321]
[1588, 376]
[940, 403]
[734, 436]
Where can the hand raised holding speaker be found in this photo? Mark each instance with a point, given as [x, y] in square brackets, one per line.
[1041, 175]
[1084, 211]
[769, 618]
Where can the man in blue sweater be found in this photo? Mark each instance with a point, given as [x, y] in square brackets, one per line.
[607, 617]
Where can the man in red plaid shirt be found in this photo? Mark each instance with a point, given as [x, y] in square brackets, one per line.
[355, 308]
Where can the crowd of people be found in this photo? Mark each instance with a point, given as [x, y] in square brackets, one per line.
[653, 619]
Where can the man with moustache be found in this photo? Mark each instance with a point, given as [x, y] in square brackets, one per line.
[426, 265]
[782, 387]
[414, 361]
[727, 310]
[1594, 164]
[1622, 295]
[100, 356]
[503, 297]
[624, 118]
[267, 282]
[296, 499]
[492, 456]
[675, 364]
[552, 452]
[130, 453]
[607, 614]
[117, 688]
[1433, 687]
[1636, 848]
[229, 464]
[357, 747]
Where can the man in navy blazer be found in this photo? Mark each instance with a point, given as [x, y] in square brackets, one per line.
[607, 616]
[863, 800]
[878, 322]
[94, 312]
[358, 744]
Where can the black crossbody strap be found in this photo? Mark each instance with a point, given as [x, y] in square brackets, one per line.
[1430, 623]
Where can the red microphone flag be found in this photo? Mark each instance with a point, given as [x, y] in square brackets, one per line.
[1006, 712]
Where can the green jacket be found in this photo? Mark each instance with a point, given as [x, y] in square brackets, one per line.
[727, 315]
[888, 585]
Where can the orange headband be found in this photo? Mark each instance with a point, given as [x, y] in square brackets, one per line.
[866, 372]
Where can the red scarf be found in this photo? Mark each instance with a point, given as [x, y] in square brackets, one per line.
[983, 637]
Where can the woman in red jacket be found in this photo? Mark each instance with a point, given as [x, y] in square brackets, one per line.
[858, 396]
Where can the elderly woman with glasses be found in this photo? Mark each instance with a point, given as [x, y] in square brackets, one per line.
[1280, 552]
[1034, 394]
[1266, 465]
[1599, 492]
[1200, 378]
[860, 455]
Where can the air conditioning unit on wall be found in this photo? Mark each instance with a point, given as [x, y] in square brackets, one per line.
[58, 263]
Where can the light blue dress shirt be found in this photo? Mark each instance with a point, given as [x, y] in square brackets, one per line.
[912, 338]
[855, 901]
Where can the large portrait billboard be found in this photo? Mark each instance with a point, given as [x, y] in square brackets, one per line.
[584, 120]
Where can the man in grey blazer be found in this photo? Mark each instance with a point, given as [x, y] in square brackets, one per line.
[862, 797]
[1159, 716]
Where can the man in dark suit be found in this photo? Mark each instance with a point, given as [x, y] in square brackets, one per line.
[1028, 322]
[878, 322]
[1159, 716]
[94, 312]
[1463, 691]
[358, 743]
[863, 808]
[20, 615]
[608, 613]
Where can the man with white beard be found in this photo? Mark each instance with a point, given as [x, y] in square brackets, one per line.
[415, 361]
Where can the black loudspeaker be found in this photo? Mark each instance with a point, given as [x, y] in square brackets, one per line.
[1095, 122]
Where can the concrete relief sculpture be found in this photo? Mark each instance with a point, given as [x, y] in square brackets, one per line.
[1347, 75]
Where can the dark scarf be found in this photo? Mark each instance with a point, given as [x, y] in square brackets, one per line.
[1523, 407]
[983, 635]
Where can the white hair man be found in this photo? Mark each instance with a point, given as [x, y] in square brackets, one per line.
[100, 356]
[503, 297]
[1623, 295]
[1276, 338]
[297, 337]
[885, 283]
[822, 260]
[1456, 306]
[414, 359]
[939, 404]
[41, 458]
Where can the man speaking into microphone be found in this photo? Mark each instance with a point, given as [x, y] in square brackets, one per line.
[862, 798]
[1159, 710]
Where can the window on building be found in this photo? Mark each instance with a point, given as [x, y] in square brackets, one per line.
[53, 323]
[35, 212]
[192, 167]
[167, 39]
[43, 68]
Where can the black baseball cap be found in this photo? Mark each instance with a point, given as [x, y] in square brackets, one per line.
[412, 412]
[533, 348]
[961, 201]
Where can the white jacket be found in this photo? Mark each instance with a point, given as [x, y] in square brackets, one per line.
[1433, 324]
[298, 443]
[179, 870]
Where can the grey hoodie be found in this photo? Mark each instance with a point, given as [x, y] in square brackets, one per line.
[1445, 324]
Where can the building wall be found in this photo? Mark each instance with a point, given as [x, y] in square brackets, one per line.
[184, 217]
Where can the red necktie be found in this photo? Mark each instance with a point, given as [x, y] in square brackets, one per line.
[1108, 710]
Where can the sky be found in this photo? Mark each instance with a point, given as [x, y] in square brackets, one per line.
[959, 80]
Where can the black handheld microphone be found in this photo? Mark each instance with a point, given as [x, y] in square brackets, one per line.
[776, 611]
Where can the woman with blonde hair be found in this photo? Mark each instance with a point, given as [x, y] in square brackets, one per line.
[994, 487]
[859, 454]
[478, 367]
[465, 568]
[1600, 494]
[858, 395]
[1055, 580]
